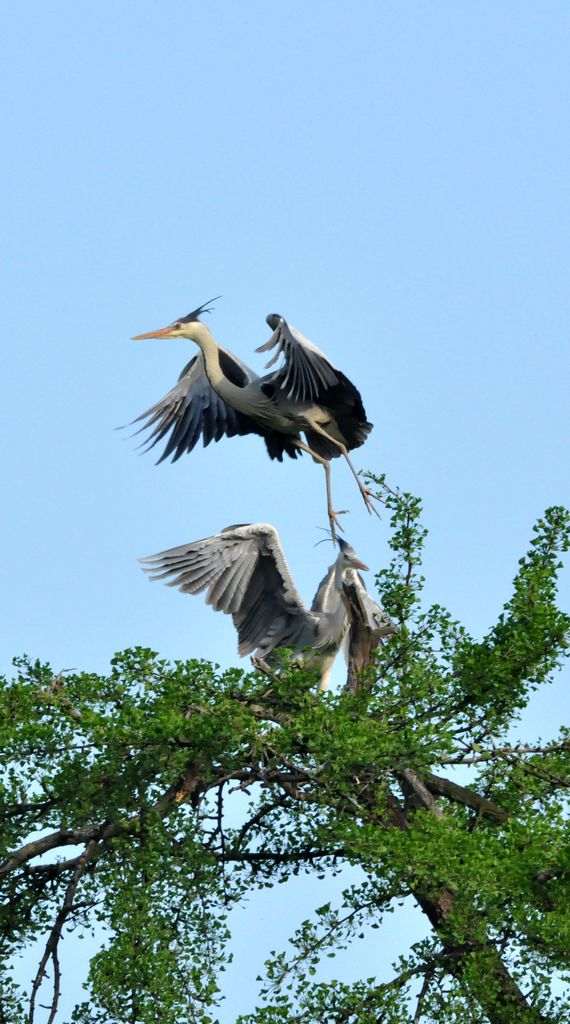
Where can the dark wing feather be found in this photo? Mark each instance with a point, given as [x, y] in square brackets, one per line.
[347, 409]
[345, 400]
[244, 572]
[192, 409]
[306, 372]
[307, 375]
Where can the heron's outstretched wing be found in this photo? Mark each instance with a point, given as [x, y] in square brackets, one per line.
[244, 571]
[306, 373]
[192, 409]
[378, 621]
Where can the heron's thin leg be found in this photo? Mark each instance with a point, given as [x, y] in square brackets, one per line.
[366, 494]
[333, 516]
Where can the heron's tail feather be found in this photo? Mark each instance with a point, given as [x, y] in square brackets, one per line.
[279, 445]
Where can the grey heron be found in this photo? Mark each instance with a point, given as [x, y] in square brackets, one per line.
[245, 573]
[217, 394]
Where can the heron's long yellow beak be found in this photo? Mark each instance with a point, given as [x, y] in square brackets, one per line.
[161, 332]
[356, 564]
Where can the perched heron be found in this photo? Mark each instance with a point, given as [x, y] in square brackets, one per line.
[245, 573]
[217, 394]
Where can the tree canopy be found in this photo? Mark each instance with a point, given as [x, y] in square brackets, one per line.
[117, 809]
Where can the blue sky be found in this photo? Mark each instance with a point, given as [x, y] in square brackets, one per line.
[392, 178]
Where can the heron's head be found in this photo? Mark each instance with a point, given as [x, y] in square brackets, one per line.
[184, 327]
[348, 557]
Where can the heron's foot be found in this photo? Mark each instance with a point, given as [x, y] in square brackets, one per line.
[261, 666]
[335, 521]
[368, 497]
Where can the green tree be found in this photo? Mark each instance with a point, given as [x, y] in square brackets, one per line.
[117, 809]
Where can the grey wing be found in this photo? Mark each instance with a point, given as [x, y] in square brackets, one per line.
[244, 572]
[306, 373]
[377, 620]
[192, 409]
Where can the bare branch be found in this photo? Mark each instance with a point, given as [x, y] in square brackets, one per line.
[257, 818]
[418, 794]
[58, 867]
[460, 794]
[37, 847]
[428, 976]
[277, 857]
[51, 948]
[186, 786]
[22, 808]
[501, 752]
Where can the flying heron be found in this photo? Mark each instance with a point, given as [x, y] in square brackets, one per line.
[217, 394]
[245, 573]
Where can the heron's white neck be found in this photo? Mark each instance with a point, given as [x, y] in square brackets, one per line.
[335, 605]
[199, 333]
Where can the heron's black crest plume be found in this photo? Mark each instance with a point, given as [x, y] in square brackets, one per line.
[325, 540]
[197, 313]
[272, 320]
